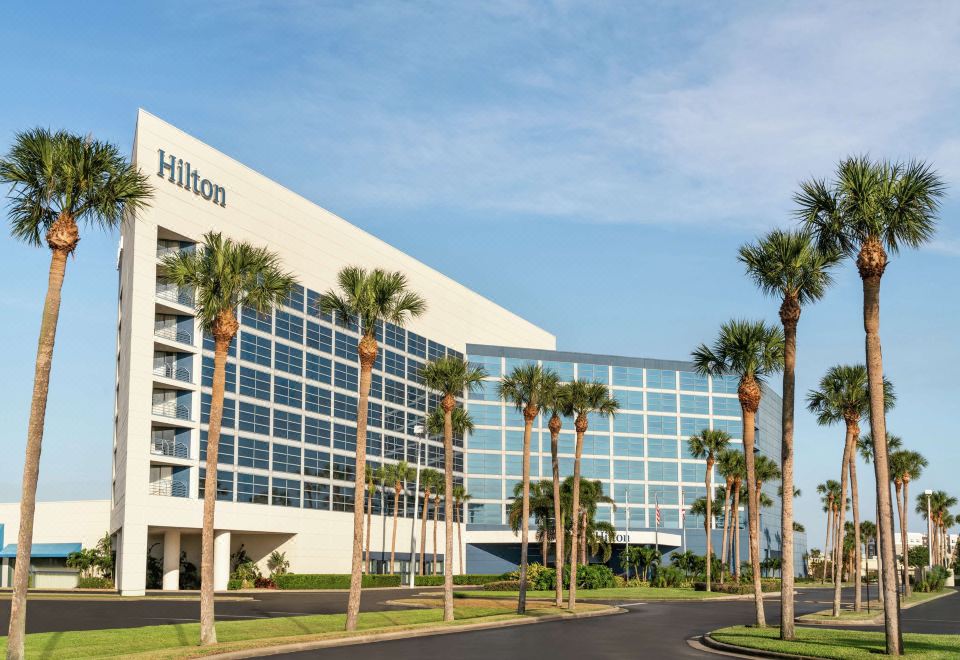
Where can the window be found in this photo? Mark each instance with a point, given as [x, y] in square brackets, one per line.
[225, 448]
[416, 398]
[252, 319]
[290, 327]
[483, 463]
[319, 337]
[597, 445]
[696, 405]
[345, 406]
[727, 406]
[597, 372]
[485, 415]
[662, 471]
[255, 383]
[252, 488]
[693, 382]
[657, 425]
[483, 514]
[628, 376]
[564, 370]
[318, 368]
[395, 364]
[693, 472]
[629, 399]
[313, 306]
[628, 423]
[725, 384]
[316, 496]
[661, 448]
[224, 485]
[295, 299]
[693, 425]
[595, 468]
[286, 425]
[732, 426]
[255, 348]
[210, 345]
[286, 492]
[487, 391]
[345, 376]
[316, 463]
[286, 458]
[316, 431]
[317, 400]
[229, 419]
[661, 402]
[416, 345]
[395, 336]
[566, 443]
[289, 359]
[435, 351]
[491, 365]
[393, 391]
[393, 447]
[376, 384]
[345, 346]
[513, 440]
[253, 453]
[663, 495]
[374, 443]
[230, 373]
[342, 498]
[658, 379]
[374, 414]
[344, 437]
[413, 371]
[254, 418]
[485, 489]
[627, 446]
[393, 420]
[628, 470]
[288, 392]
[485, 439]
[344, 468]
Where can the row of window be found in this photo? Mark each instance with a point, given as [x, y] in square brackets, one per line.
[590, 468]
[595, 445]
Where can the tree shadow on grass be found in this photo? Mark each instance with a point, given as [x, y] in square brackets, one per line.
[51, 647]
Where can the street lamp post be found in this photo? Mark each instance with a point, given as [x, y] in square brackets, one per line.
[418, 430]
[928, 493]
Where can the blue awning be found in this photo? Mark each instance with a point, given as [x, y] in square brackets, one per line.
[41, 550]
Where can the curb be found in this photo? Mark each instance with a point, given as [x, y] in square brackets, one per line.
[371, 638]
[711, 643]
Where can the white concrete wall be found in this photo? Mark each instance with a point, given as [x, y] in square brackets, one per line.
[81, 521]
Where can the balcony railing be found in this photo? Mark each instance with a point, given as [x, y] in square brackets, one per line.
[171, 409]
[169, 488]
[174, 294]
[174, 334]
[166, 250]
[173, 371]
[167, 447]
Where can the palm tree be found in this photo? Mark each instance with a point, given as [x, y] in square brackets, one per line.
[752, 351]
[647, 557]
[708, 444]
[843, 396]
[788, 266]
[728, 465]
[374, 476]
[57, 181]
[869, 210]
[225, 275]
[541, 508]
[905, 465]
[429, 480]
[556, 400]
[525, 387]
[865, 447]
[585, 398]
[829, 491]
[592, 495]
[437, 493]
[460, 499]
[939, 503]
[868, 532]
[397, 474]
[707, 508]
[368, 298]
[451, 377]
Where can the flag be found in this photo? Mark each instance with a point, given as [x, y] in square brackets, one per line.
[658, 514]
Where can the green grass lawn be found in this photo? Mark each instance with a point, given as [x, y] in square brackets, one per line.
[839, 644]
[177, 641]
[847, 614]
[625, 593]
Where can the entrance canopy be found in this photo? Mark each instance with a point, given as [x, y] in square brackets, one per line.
[39, 550]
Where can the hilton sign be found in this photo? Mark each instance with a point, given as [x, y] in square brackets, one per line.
[187, 178]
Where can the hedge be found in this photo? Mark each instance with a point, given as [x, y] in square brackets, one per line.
[332, 581]
[95, 583]
[742, 588]
[461, 580]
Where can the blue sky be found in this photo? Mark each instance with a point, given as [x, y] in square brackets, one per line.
[591, 166]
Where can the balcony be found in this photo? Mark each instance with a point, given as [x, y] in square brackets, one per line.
[172, 333]
[174, 294]
[171, 409]
[171, 448]
[173, 371]
[169, 488]
[165, 250]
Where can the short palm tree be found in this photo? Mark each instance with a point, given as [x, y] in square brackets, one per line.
[752, 351]
[904, 466]
[540, 503]
[843, 397]
[707, 509]
[788, 266]
[733, 468]
[367, 298]
[460, 499]
[556, 401]
[277, 563]
[830, 496]
[592, 495]
[225, 274]
[438, 492]
[525, 388]
[430, 480]
[870, 210]
[374, 478]
[451, 377]
[647, 557]
[585, 398]
[58, 181]
[707, 445]
[397, 476]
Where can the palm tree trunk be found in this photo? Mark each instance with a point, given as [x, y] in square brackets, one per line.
[575, 519]
[848, 448]
[789, 316]
[706, 519]
[557, 516]
[528, 416]
[31, 464]
[436, 516]
[879, 563]
[827, 551]
[735, 531]
[753, 499]
[583, 537]
[393, 543]
[367, 349]
[458, 515]
[871, 263]
[903, 540]
[367, 562]
[423, 531]
[855, 503]
[726, 525]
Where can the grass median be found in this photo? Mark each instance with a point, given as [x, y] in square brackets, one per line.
[181, 640]
[839, 644]
[623, 593]
[848, 615]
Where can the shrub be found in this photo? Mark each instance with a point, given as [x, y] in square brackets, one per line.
[428, 581]
[934, 580]
[263, 583]
[669, 576]
[233, 584]
[95, 583]
[331, 581]
[502, 585]
[477, 578]
[742, 588]
[591, 576]
[539, 577]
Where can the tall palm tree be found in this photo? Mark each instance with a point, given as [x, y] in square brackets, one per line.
[525, 388]
[585, 398]
[843, 396]
[728, 466]
[460, 499]
[225, 275]
[58, 181]
[556, 401]
[865, 447]
[368, 298]
[752, 351]
[788, 266]
[429, 480]
[904, 466]
[707, 445]
[870, 210]
[397, 475]
[451, 377]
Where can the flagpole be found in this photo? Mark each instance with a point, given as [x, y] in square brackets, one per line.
[683, 520]
[626, 504]
[656, 528]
